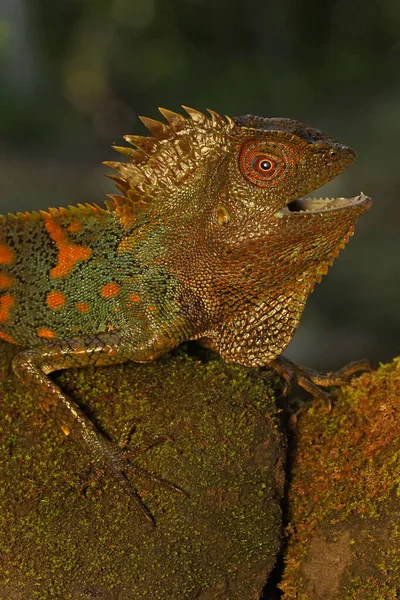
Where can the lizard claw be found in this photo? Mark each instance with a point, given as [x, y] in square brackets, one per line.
[312, 381]
[151, 442]
[115, 459]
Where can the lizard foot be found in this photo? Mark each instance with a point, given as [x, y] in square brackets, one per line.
[116, 460]
[312, 381]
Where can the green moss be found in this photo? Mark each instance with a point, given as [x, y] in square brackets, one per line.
[227, 453]
[346, 478]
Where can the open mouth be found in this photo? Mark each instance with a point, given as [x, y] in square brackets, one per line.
[320, 205]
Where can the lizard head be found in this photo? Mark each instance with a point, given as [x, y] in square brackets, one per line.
[281, 160]
[242, 182]
[273, 164]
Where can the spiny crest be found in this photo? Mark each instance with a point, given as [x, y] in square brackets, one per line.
[163, 161]
[80, 211]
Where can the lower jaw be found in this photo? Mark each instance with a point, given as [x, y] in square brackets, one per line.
[319, 205]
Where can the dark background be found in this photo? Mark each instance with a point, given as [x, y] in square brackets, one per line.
[75, 74]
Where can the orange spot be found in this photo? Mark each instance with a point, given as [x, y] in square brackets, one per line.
[134, 298]
[46, 333]
[55, 300]
[6, 281]
[109, 290]
[7, 301]
[7, 338]
[68, 256]
[128, 243]
[151, 308]
[75, 226]
[66, 430]
[6, 255]
[131, 242]
[69, 253]
[127, 219]
[82, 307]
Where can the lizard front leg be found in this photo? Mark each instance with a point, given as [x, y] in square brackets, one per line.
[311, 380]
[34, 365]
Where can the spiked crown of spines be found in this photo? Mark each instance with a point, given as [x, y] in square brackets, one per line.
[163, 161]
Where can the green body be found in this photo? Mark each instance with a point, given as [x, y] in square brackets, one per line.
[113, 288]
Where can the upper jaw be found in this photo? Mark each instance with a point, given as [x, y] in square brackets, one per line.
[303, 206]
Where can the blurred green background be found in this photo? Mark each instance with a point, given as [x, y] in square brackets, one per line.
[75, 75]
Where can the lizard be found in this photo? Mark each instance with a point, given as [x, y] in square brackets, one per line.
[210, 239]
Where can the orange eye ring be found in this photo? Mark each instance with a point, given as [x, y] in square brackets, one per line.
[258, 166]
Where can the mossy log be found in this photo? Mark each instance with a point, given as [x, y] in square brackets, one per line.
[344, 499]
[227, 453]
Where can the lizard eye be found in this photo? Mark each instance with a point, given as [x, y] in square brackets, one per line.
[257, 166]
[263, 165]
